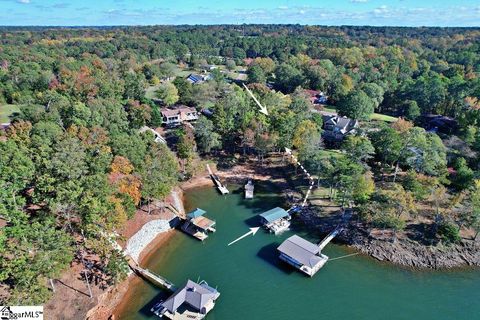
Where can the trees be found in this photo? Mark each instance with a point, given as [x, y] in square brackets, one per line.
[256, 74]
[168, 93]
[358, 148]
[207, 139]
[357, 105]
[288, 78]
[306, 139]
[158, 172]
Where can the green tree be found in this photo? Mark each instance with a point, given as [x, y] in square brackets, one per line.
[356, 105]
[207, 138]
[168, 93]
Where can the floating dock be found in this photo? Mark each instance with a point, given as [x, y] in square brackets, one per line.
[216, 180]
[249, 187]
[197, 225]
[155, 279]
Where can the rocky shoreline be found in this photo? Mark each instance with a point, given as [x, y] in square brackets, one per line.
[401, 251]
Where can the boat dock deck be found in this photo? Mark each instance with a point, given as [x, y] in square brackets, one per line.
[216, 180]
[249, 187]
[197, 225]
[157, 280]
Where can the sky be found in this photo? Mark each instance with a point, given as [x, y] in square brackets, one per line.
[463, 13]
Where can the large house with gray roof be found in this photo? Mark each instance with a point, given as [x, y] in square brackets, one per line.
[336, 128]
[302, 254]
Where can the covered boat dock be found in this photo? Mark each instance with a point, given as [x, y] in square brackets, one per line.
[191, 302]
[198, 225]
[302, 254]
[276, 220]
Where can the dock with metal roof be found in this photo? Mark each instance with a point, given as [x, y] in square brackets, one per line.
[275, 220]
[197, 225]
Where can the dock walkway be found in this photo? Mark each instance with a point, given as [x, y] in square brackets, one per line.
[223, 190]
[156, 279]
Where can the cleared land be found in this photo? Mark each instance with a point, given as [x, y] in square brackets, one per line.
[375, 116]
[6, 110]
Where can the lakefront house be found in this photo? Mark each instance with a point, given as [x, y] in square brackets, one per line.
[178, 115]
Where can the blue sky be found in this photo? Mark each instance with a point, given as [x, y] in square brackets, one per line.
[323, 12]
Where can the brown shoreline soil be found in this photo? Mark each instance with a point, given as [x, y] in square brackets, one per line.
[117, 299]
[401, 252]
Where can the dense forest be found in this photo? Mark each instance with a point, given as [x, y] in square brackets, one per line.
[74, 166]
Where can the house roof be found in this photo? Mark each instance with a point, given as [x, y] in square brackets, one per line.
[196, 213]
[274, 214]
[301, 250]
[196, 295]
[170, 112]
[177, 111]
[195, 77]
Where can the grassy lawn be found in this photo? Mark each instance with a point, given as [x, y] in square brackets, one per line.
[150, 92]
[6, 110]
[375, 116]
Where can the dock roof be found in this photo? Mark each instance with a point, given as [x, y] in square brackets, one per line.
[203, 222]
[301, 250]
[274, 214]
[196, 213]
[196, 295]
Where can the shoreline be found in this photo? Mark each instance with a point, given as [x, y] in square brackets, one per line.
[413, 255]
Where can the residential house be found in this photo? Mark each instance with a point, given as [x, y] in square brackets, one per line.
[302, 254]
[336, 128]
[196, 78]
[316, 97]
[178, 115]
[193, 301]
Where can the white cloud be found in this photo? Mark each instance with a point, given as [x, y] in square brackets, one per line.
[358, 1]
[23, 1]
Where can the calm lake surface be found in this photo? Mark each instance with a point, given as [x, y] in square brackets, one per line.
[254, 284]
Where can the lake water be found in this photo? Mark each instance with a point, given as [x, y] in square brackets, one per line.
[255, 284]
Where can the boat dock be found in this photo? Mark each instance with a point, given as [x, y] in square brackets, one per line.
[249, 187]
[197, 225]
[276, 220]
[155, 279]
[192, 302]
[223, 190]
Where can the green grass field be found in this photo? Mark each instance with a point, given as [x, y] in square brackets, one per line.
[6, 110]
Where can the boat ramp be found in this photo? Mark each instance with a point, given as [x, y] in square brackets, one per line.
[216, 180]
